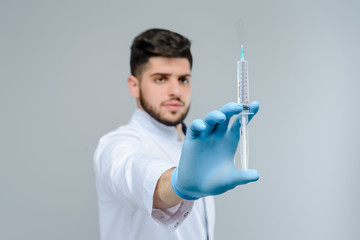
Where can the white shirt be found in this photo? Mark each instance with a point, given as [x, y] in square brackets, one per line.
[128, 163]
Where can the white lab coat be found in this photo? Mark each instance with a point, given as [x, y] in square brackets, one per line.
[128, 163]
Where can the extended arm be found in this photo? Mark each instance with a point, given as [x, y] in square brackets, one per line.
[164, 195]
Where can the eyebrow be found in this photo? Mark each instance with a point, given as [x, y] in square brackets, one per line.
[168, 74]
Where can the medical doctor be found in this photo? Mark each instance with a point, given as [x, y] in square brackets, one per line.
[155, 178]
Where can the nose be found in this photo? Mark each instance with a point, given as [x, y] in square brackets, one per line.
[174, 89]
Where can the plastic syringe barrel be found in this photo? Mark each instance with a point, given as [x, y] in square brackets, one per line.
[243, 99]
[243, 83]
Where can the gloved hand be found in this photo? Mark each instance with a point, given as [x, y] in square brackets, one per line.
[206, 165]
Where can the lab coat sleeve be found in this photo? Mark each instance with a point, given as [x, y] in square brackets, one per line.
[127, 170]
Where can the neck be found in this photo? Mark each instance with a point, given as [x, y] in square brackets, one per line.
[180, 132]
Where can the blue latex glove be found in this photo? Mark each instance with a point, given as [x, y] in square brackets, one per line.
[206, 165]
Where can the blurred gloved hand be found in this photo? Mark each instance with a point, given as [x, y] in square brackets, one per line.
[206, 165]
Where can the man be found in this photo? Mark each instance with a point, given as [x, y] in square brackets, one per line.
[151, 183]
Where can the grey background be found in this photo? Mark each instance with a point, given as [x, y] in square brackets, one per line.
[64, 66]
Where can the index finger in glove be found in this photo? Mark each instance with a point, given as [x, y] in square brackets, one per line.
[253, 108]
[231, 109]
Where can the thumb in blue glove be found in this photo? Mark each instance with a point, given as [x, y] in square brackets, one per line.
[206, 165]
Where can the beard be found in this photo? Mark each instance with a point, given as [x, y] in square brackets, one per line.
[157, 115]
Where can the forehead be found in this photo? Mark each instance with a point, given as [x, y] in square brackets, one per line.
[174, 66]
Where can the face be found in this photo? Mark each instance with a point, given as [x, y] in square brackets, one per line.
[164, 90]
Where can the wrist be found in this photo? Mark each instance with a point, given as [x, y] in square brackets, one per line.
[164, 196]
[174, 177]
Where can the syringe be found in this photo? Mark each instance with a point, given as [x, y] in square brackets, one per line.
[243, 99]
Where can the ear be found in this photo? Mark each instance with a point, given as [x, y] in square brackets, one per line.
[134, 86]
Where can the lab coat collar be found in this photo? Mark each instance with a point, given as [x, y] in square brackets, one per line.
[144, 120]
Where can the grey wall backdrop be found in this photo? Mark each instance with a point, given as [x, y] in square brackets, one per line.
[64, 66]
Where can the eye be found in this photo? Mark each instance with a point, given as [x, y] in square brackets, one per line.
[184, 80]
[159, 80]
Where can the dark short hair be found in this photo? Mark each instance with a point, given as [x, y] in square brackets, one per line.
[158, 43]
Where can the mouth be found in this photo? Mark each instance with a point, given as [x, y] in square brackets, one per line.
[173, 105]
